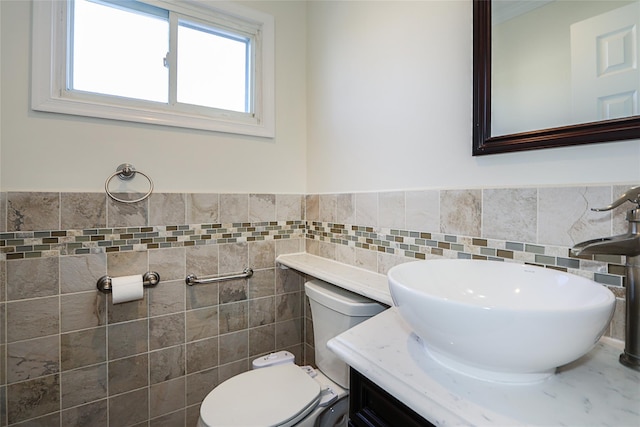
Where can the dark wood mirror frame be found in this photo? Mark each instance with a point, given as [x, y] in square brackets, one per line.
[484, 143]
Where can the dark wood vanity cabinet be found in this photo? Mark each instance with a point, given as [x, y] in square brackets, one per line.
[371, 406]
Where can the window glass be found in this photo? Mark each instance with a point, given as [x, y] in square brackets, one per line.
[194, 64]
[119, 51]
[213, 68]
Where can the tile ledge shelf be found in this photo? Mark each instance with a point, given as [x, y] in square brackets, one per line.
[364, 282]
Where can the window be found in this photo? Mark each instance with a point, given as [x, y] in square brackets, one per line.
[176, 63]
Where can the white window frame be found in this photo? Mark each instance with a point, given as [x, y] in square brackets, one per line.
[49, 61]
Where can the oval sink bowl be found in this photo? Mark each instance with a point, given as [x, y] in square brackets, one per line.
[500, 321]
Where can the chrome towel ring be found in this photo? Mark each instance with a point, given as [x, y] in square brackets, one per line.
[126, 172]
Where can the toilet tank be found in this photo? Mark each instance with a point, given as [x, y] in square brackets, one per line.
[334, 310]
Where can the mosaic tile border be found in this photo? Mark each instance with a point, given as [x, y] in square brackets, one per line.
[608, 270]
[35, 244]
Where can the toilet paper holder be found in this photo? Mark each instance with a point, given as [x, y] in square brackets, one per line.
[149, 279]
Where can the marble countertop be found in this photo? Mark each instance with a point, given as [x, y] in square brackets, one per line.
[594, 390]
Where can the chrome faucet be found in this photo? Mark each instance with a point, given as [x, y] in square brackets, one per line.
[627, 245]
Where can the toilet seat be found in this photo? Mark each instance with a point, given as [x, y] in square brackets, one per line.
[275, 396]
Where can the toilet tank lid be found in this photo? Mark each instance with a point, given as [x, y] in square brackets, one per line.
[341, 300]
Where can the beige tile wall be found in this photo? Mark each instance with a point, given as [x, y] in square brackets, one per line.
[68, 356]
[376, 231]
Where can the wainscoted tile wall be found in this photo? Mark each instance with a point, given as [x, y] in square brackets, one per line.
[376, 231]
[69, 357]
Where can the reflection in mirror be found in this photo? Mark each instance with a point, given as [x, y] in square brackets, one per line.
[559, 63]
[551, 73]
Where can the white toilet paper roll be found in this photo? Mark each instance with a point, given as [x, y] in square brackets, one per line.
[127, 288]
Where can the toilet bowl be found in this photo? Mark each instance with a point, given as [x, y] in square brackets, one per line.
[278, 392]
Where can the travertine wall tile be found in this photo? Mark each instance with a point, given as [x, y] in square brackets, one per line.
[3, 212]
[33, 318]
[91, 414]
[82, 311]
[345, 254]
[391, 210]
[167, 297]
[33, 398]
[83, 348]
[166, 364]
[367, 209]
[289, 207]
[167, 397]
[127, 339]
[127, 263]
[234, 346]
[328, 207]
[233, 258]
[200, 296]
[233, 291]
[201, 323]
[510, 214]
[461, 212]
[619, 215]
[129, 409]
[127, 215]
[200, 384]
[289, 333]
[262, 254]
[312, 207]
[3, 281]
[178, 418]
[32, 278]
[423, 210]
[203, 208]
[33, 211]
[262, 283]
[187, 335]
[166, 331]
[202, 355]
[262, 207]
[288, 281]
[33, 358]
[262, 311]
[202, 260]
[81, 272]
[167, 209]
[128, 374]
[289, 306]
[565, 216]
[84, 385]
[127, 311]
[346, 208]
[234, 208]
[233, 317]
[262, 340]
[83, 210]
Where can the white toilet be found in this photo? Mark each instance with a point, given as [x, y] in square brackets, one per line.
[285, 394]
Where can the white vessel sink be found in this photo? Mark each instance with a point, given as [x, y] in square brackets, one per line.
[500, 321]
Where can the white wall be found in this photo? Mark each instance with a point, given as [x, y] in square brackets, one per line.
[387, 86]
[389, 104]
[49, 152]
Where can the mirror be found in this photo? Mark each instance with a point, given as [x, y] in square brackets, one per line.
[552, 73]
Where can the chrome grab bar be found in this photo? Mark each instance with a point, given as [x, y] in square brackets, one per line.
[192, 279]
